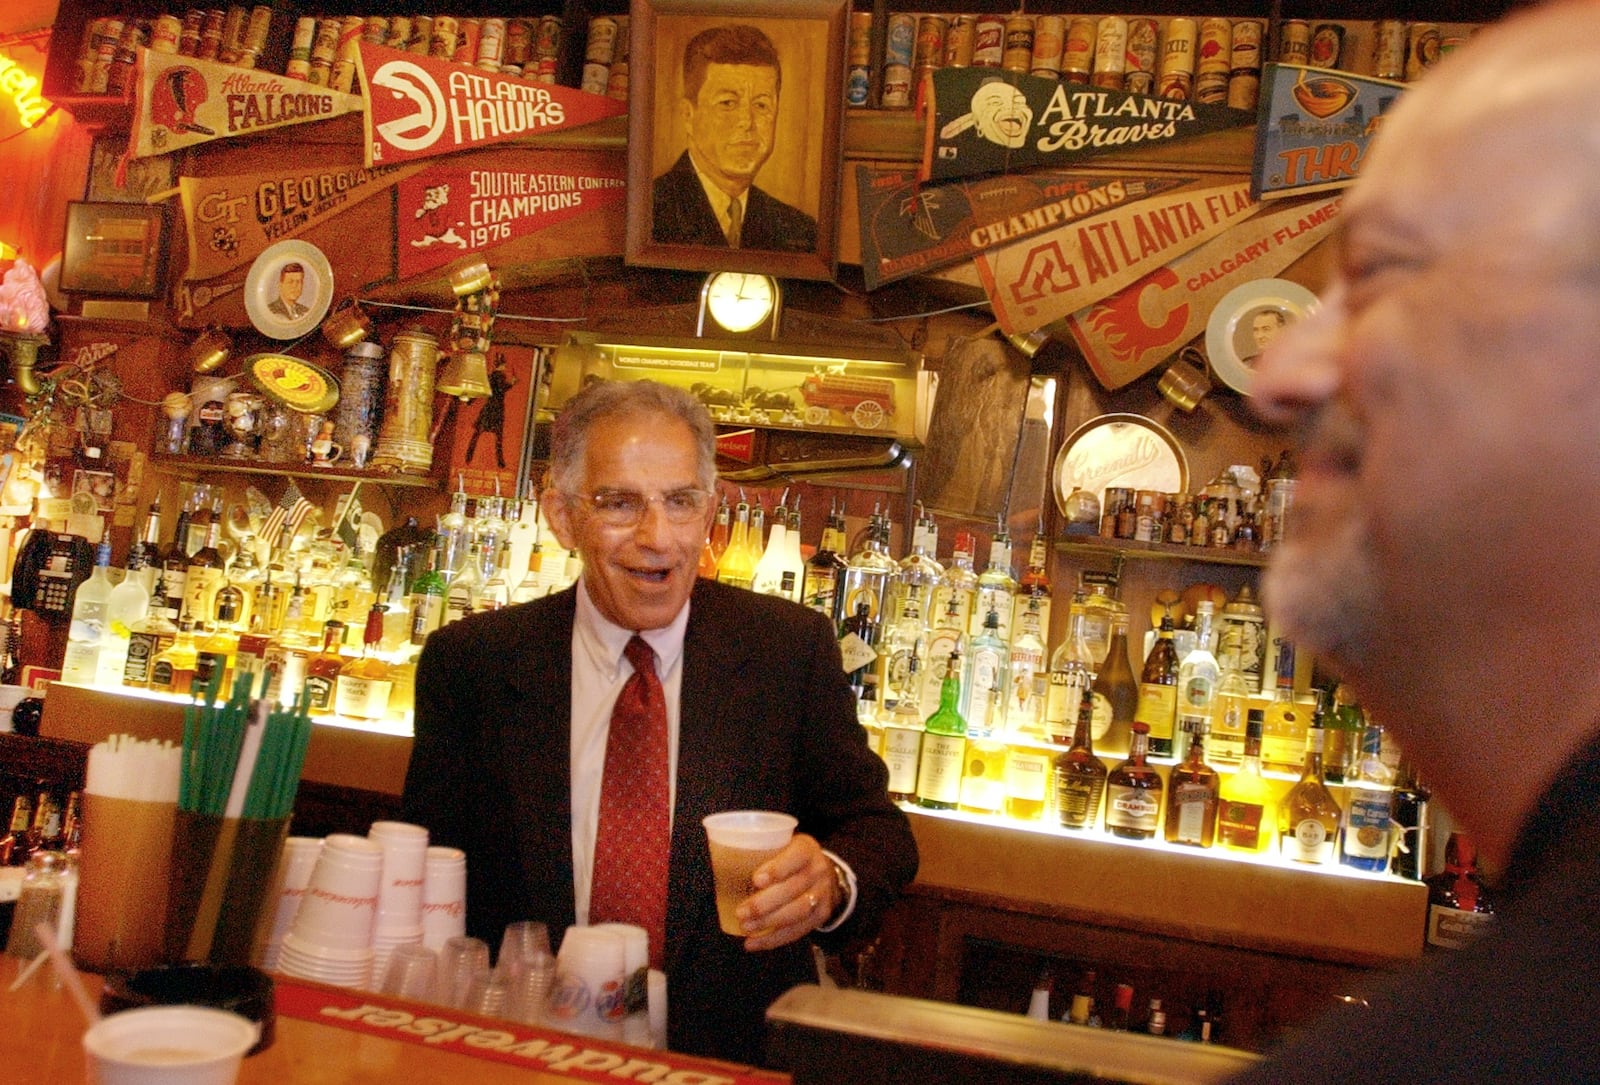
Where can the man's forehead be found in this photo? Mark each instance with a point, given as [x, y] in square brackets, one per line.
[733, 74]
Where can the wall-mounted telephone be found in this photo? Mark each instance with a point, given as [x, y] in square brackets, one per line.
[50, 566]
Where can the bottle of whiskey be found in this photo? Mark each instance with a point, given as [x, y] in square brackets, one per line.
[1310, 814]
[363, 687]
[148, 637]
[322, 670]
[144, 553]
[427, 597]
[1133, 791]
[172, 669]
[824, 577]
[944, 745]
[1080, 776]
[205, 572]
[1158, 691]
[902, 744]
[1247, 815]
[14, 845]
[1460, 906]
[1193, 792]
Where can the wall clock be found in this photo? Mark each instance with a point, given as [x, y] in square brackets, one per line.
[739, 302]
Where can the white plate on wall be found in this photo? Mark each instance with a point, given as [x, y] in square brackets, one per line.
[1264, 305]
[261, 296]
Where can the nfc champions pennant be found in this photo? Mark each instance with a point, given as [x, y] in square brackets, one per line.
[988, 121]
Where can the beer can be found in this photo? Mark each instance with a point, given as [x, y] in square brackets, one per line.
[601, 46]
[305, 32]
[624, 40]
[617, 84]
[467, 32]
[233, 24]
[900, 46]
[258, 28]
[1049, 41]
[896, 87]
[1294, 42]
[164, 33]
[1140, 73]
[376, 30]
[1077, 52]
[211, 35]
[519, 41]
[1016, 53]
[988, 41]
[122, 58]
[491, 44]
[1213, 62]
[342, 77]
[1389, 43]
[595, 77]
[859, 51]
[194, 20]
[298, 67]
[107, 38]
[1327, 45]
[547, 38]
[857, 86]
[1244, 77]
[1110, 53]
[959, 41]
[931, 31]
[1424, 49]
[442, 41]
[1176, 77]
[421, 35]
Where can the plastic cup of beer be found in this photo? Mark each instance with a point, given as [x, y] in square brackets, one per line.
[741, 840]
[168, 1045]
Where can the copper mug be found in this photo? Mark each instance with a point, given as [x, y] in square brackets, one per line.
[210, 350]
[347, 327]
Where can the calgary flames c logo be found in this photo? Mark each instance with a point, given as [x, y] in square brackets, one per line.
[424, 124]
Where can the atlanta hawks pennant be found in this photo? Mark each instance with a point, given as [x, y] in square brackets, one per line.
[420, 107]
[1134, 330]
[1050, 275]
[180, 101]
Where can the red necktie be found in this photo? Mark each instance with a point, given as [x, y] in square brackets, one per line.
[635, 833]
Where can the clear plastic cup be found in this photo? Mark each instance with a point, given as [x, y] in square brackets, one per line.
[740, 841]
[412, 973]
[460, 960]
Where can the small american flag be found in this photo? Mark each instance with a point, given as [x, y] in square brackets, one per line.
[285, 520]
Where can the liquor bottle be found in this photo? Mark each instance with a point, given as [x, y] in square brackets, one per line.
[903, 661]
[144, 555]
[1133, 791]
[859, 640]
[71, 826]
[1460, 906]
[960, 583]
[427, 597]
[175, 565]
[215, 646]
[14, 846]
[824, 579]
[200, 519]
[947, 637]
[1369, 810]
[1193, 792]
[919, 573]
[363, 687]
[494, 592]
[322, 670]
[1283, 741]
[983, 778]
[148, 637]
[172, 669]
[1156, 1019]
[781, 570]
[902, 744]
[988, 670]
[1310, 816]
[452, 525]
[867, 572]
[720, 529]
[1116, 693]
[1121, 1007]
[1197, 679]
[756, 538]
[1072, 669]
[46, 824]
[1035, 585]
[1025, 706]
[460, 591]
[996, 586]
[1343, 726]
[1158, 691]
[1230, 714]
[1413, 831]
[737, 565]
[944, 745]
[1081, 1010]
[1247, 815]
[86, 634]
[764, 577]
[1080, 776]
[204, 574]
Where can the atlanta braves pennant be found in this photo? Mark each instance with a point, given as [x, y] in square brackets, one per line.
[421, 107]
[181, 101]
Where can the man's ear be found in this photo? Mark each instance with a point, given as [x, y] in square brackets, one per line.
[554, 503]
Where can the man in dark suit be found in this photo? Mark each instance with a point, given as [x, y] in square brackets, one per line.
[513, 713]
[731, 84]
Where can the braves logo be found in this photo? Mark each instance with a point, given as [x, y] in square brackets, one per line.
[421, 127]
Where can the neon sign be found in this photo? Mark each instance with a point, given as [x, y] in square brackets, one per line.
[23, 91]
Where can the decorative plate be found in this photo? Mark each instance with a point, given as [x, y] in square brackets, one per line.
[288, 289]
[1248, 318]
[296, 384]
[1119, 450]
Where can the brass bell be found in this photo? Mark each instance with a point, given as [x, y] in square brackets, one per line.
[465, 376]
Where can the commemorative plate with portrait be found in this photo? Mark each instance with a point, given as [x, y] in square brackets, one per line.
[1246, 320]
[288, 289]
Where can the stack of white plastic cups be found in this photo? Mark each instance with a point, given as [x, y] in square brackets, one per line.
[330, 940]
[444, 896]
[590, 991]
[636, 985]
[294, 871]
[399, 918]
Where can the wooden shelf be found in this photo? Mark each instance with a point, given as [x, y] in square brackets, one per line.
[1131, 550]
[202, 464]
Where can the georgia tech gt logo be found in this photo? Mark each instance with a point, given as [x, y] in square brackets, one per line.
[422, 127]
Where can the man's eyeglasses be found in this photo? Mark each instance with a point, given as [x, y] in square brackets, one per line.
[625, 508]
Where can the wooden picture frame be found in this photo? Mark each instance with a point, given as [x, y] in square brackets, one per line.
[789, 213]
[114, 250]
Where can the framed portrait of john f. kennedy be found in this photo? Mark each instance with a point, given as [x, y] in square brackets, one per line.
[734, 135]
